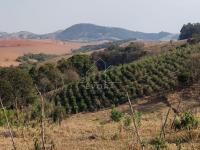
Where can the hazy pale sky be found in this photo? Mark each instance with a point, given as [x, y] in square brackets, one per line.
[42, 16]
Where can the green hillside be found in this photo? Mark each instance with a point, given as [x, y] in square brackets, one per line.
[140, 78]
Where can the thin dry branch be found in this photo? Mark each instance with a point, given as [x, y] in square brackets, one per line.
[135, 124]
[162, 132]
[8, 124]
[42, 119]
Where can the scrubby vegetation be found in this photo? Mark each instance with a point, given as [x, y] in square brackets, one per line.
[186, 121]
[116, 115]
[34, 57]
[160, 143]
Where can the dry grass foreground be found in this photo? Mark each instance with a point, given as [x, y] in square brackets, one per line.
[12, 49]
[96, 131]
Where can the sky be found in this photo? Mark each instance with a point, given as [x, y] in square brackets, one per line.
[44, 16]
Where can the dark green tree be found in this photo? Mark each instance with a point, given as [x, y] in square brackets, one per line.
[16, 87]
[82, 64]
[47, 77]
[189, 30]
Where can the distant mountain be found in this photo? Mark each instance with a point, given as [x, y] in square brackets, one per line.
[94, 32]
[51, 35]
[3, 34]
[88, 32]
[28, 35]
[20, 35]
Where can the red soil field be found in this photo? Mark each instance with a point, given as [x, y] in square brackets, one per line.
[10, 50]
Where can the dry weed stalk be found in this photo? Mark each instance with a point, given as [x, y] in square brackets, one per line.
[8, 124]
[42, 119]
[135, 124]
[162, 132]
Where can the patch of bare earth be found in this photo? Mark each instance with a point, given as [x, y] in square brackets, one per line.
[10, 50]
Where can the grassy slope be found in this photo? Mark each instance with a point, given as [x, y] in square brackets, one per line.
[96, 131]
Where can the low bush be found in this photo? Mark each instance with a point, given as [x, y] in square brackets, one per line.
[186, 121]
[37, 57]
[184, 77]
[159, 143]
[116, 115]
[58, 114]
[11, 114]
[137, 116]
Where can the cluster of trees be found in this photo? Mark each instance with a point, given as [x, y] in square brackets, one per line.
[189, 31]
[16, 87]
[50, 77]
[143, 77]
[47, 77]
[19, 87]
[79, 63]
[115, 55]
[37, 57]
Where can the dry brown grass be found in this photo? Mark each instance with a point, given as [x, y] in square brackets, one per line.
[96, 131]
[157, 46]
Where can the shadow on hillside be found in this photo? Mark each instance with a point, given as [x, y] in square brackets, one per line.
[150, 105]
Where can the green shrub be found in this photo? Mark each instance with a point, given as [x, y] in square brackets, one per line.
[159, 143]
[186, 121]
[58, 114]
[11, 114]
[38, 57]
[36, 111]
[83, 106]
[137, 116]
[184, 77]
[177, 123]
[116, 115]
